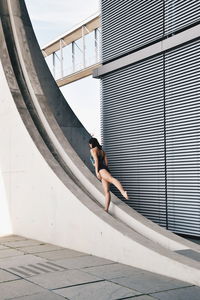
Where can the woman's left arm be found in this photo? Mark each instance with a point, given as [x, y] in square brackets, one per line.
[96, 162]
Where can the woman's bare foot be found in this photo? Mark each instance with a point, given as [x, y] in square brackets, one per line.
[106, 210]
[125, 194]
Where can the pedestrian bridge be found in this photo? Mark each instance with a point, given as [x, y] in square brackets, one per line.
[76, 53]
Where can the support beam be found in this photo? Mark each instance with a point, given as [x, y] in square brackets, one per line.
[77, 75]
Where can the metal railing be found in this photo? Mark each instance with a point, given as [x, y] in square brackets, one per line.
[76, 50]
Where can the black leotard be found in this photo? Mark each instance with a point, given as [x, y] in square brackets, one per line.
[101, 164]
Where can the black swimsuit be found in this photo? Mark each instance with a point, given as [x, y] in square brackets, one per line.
[101, 164]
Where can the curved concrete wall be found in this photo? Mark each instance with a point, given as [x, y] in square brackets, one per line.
[52, 195]
[37, 100]
[44, 84]
[45, 208]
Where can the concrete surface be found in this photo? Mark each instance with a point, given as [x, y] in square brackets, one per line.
[80, 277]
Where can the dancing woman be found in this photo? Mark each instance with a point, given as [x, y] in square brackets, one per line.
[100, 162]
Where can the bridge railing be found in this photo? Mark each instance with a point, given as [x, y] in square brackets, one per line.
[75, 51]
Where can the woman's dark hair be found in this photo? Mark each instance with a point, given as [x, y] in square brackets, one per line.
[94, 142]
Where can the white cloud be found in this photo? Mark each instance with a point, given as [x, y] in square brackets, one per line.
[61, 11]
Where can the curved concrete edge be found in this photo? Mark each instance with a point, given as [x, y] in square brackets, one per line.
[39, 196]
[44, 207]
[118, 208]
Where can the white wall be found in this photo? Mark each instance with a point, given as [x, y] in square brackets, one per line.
[5, 221]
[5, 150]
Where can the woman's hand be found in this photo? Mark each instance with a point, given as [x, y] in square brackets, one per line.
[98, 175]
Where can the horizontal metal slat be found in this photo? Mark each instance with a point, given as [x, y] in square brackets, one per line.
[133, 15]
[143, 122]
[182, 131]
[179, 14]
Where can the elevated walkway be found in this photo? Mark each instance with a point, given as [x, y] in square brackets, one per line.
[72, 38]
[51, 193]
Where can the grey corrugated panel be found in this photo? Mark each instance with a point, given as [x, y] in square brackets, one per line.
[181, 13]
[133, 160]
[183, 137]
[128, 25]
[123, 28]
[132, 133]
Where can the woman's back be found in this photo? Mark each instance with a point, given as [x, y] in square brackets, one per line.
[101, 154]
[101, 157]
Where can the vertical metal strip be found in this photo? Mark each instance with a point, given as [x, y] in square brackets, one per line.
[83, 44]
[54, 65]
[61, 59]
[164, 114]
[165, 147]
[73, 57]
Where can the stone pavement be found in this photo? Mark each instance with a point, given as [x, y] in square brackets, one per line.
[32, 270]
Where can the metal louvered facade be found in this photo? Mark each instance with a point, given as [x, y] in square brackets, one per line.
[180, 14]
[182, 98]
[133, 134]
[150, 115]
[130, 24]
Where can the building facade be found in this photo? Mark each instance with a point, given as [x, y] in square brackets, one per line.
[150, 106]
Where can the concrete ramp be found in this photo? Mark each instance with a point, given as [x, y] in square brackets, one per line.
[51, 193]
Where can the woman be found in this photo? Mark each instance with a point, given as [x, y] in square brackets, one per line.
[100, 162]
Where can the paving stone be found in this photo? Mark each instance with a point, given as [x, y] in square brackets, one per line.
[60, 254]
[23, 243]
[40, 248]
[188, 293]
[41, 296]
[83, 262]
[114, 270]
[103, 290]
[148, 282]
[19, 260]
[88, 283]
[9, 253]
[63, 279]
[6, 276]
[11, 238]
[18, 288]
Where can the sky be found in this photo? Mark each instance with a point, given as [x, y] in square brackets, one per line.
[52, 18]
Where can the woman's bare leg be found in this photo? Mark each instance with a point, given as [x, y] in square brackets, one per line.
[108, 177]
[106, 186]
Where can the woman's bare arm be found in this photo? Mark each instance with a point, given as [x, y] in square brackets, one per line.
[96, 161]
